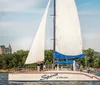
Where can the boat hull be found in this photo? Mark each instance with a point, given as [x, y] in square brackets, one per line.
[53, 76]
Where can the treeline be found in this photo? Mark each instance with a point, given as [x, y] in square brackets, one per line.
[91, 59]
[17, 59]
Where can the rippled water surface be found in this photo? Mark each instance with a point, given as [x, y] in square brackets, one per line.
[55, 83]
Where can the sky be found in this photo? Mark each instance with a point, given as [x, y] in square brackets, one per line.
[19, 21]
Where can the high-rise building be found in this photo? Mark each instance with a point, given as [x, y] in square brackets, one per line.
[5, 50]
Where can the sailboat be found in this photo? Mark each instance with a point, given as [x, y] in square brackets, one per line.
[67, 45]
[67, 35]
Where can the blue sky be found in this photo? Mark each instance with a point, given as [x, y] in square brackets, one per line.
[19, 21]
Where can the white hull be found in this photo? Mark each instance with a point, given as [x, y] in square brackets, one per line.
[53, 76]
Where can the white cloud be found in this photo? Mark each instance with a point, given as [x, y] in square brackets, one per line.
[19, 29]
[26, 42]
[95, 34]
[17, 24]
[88, 12]
[92, 40]
[21, 43]
[16, 5]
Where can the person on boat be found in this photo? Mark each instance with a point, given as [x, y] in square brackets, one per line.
[88, 70]
[81, 67]
[77, 66]
[44, 66]
[55, 66]
[41, 66]
[38, 66]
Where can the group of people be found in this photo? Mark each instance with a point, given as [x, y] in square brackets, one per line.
[40, 66]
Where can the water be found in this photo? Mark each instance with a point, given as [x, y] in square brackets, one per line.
[3, 78]
[56, 83]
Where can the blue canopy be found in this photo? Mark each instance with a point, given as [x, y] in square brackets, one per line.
[65, 62]
[58, 55]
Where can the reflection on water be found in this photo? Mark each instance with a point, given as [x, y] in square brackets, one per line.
[56, 83]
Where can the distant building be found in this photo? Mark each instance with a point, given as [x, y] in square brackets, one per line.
[2, 49]
[5, 50]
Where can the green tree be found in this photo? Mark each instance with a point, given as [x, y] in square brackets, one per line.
[48, 56]
[89, 53]
[17, 59]
[96, 62]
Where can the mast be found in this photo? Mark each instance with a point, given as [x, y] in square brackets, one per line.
[54, 34]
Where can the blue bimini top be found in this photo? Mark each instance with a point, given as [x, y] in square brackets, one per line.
[58, 55]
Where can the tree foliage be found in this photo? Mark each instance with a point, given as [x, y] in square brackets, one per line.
[48, 57]
[91, 59]
[17, 59]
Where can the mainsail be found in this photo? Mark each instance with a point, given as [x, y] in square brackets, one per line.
[36, 52]
[68, 41]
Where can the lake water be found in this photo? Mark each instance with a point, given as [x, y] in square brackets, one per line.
[56, 83]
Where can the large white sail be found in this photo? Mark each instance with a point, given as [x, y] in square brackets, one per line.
[68, 34]
[36, 52]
